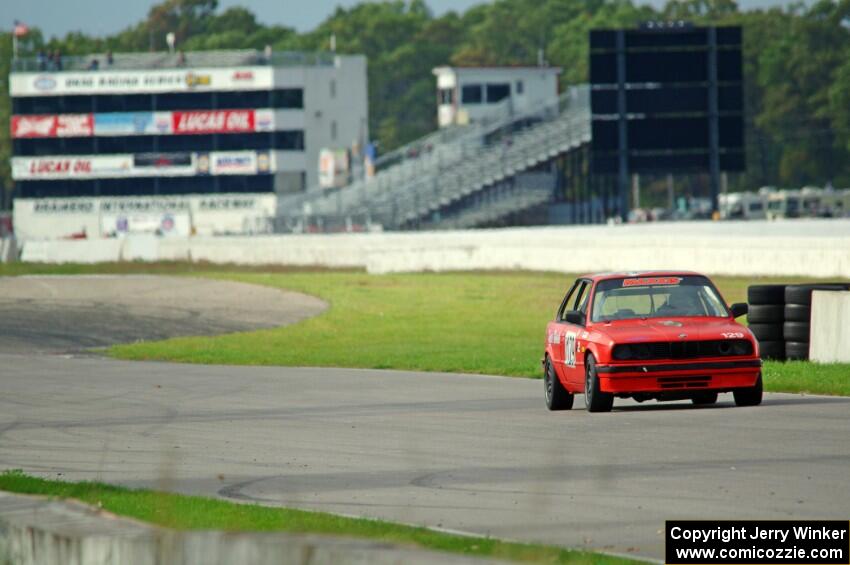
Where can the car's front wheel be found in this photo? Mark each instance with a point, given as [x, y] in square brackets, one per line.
[594, 399]
[557, 397]
[750, 396]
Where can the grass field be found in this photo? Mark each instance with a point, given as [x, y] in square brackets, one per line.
[199, 513]
[489, 323]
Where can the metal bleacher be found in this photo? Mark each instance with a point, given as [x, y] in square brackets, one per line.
[461, 177]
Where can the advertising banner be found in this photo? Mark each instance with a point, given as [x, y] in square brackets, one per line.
[132, 123]
[333, 168]
[140, 81]
[159, 223]
[163, 164]
[143, 165]
[77, 167]
[212, 121]
[264, 120]
[233, 163]
[63, 125]
[162, 160]
[143, 123]
[265, 162]
[204, 214]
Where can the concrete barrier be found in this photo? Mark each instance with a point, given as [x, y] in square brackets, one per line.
[812, 248]
[8, 250]
[39, 531]
[72, 251]
[141, 247]
[830, 336]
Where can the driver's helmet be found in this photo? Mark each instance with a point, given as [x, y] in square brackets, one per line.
[684, 299]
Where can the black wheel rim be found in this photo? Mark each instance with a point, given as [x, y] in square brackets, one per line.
[588, 379]
[549, 384]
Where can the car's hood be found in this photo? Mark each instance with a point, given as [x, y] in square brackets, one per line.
[670, 329]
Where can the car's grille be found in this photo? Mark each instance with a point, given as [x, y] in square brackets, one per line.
[682, 349]
[684, 382]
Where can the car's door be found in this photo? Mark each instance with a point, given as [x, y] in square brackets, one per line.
[566, 336]
[555, 331]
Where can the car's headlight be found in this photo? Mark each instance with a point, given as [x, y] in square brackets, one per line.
[742, 347]
[622, 352]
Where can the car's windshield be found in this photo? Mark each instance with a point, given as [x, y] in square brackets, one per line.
[656, 297]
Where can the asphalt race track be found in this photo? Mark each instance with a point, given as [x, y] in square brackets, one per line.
[473, 453]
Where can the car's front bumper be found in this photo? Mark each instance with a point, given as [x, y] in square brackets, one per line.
[677, 376]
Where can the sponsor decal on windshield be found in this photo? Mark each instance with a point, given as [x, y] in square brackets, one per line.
[651, 281]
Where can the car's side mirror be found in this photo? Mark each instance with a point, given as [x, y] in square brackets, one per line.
[574, 317]
[739, 309]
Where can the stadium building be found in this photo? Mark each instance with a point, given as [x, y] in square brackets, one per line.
[136, 134]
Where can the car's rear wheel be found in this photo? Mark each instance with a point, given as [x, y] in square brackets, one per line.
[704, 398]
[557, 397]
[594, 399]
[750, 396]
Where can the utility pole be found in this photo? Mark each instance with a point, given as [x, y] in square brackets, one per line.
[635, 190]
[713, 122]
[670, 202]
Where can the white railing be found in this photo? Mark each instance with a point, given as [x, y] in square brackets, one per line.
[166, 60]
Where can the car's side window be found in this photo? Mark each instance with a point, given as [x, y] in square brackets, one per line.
[560, 316]
[584, 298]
[580, 302]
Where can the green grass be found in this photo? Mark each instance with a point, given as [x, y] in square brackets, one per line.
[184, 512]
[479, 323]
[490, 323]
[805, 377]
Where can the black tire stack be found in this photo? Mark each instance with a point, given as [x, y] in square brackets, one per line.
[766, 317]
[796, 329]
[780, 317]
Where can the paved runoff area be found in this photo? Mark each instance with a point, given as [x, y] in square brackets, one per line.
[72, 313]
[474, 453]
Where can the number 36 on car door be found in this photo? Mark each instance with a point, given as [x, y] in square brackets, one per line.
[570, 349]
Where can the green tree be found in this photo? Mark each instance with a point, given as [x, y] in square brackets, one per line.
[691, 9]
[796, 74]
[796, 69]
[570, 47]
[184, 18]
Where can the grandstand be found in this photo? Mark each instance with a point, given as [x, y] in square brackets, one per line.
[118, 126]
[465, 176]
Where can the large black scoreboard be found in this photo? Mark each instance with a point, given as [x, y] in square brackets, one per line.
[667, 98]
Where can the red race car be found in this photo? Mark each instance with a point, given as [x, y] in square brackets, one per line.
[666, 335]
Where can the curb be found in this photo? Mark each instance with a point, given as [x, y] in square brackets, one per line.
[43, 531]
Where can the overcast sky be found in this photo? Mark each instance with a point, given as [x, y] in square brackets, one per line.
[103, 17]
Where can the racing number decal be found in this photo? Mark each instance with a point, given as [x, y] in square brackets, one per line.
[570, 349]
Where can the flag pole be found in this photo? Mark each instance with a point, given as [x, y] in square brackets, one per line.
[14, 46]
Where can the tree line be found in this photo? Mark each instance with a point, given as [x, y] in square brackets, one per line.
[796, 62]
